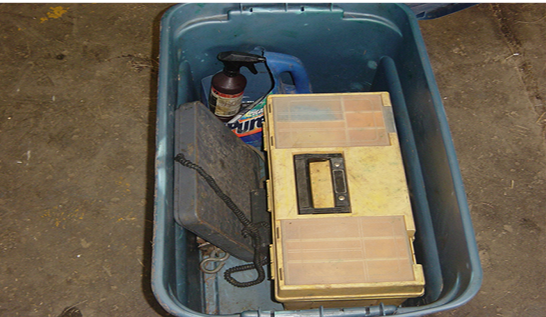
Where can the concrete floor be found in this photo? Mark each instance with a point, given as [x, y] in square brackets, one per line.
[77, 132]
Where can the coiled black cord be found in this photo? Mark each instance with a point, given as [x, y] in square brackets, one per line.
[249, 229]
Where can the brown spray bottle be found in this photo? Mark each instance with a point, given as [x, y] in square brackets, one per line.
[227, 87]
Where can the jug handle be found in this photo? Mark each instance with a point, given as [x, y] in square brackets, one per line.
[280, 63]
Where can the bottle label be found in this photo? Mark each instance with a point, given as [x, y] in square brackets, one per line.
[249, 127]
[224, 105]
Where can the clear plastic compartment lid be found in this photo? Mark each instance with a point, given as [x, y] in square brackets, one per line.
[331, 120]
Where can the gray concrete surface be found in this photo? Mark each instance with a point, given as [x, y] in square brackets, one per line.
[76, 166]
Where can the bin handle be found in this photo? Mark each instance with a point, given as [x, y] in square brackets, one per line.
[330, 6]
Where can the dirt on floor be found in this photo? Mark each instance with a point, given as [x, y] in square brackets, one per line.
[489, 65]
[77, 126]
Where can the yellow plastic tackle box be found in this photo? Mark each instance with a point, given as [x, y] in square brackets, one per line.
[342, 222]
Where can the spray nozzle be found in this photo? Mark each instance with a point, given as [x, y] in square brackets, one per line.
[233, 61]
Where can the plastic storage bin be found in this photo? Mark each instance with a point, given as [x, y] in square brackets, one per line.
[345, 48]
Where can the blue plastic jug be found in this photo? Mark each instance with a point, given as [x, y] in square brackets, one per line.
[290, 78]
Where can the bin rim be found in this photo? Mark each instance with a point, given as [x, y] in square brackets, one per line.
[476, 277]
